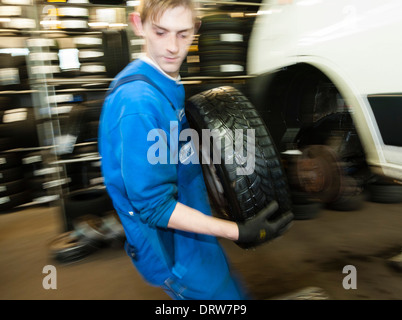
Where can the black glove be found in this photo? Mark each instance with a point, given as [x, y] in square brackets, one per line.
[260, 229]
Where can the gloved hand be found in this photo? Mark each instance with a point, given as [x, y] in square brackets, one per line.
[260, 229]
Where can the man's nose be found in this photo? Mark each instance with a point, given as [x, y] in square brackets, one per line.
[173, 45]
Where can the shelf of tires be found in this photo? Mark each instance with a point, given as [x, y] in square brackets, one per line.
[90, 54]
[64, 68]
[18, 132]
[218, 54]
[55, 68]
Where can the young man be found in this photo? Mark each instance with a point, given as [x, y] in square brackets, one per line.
[164, 208]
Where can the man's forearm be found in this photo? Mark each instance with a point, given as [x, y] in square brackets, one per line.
[188, 219]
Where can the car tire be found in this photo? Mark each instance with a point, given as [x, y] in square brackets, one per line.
[115, 233]
[85, 201]
[90, 227]
[385, 193]
[306, 211]
[350, 202]
[238, 197]
[304, 207]
[68, 247]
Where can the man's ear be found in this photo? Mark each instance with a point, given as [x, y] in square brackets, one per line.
[136, 23]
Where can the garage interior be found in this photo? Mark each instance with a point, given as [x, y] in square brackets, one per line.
[52, 106]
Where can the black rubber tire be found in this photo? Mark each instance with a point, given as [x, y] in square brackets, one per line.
[221, 22]
[223, 69]
[115, 233]
[90, 227]
[306, 211]
[93, 69]
[11, 174]
[90, 55]
[68, 247]
[20, 127]
[9, 159]
[117, 55]
[228, 54]
[89, 132]
[385, 193]
[6, 144]
[83, 202]
[12, 187]
[93, 109]
[304, 207]
[6, 102]
[86, 150]
[212, 39]
[225, 108]
[14, 200]
[300, 197]
[347, 202]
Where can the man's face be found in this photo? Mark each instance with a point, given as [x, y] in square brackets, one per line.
[168, 40]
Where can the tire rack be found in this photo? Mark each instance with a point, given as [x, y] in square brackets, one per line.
[20, 27]
[196, 78]
[42, 87]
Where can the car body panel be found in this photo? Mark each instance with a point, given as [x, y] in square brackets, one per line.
[355, 43]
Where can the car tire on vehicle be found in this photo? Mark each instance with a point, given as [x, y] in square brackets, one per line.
[233, 196]
[385, 193]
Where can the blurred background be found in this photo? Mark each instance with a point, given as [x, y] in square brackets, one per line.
[57, 59]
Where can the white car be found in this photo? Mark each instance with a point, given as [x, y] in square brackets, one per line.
[316, 62]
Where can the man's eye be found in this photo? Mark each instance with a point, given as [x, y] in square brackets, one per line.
[160, 33]
[184, 35]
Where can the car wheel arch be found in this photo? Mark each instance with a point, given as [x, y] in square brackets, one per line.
[267, 87]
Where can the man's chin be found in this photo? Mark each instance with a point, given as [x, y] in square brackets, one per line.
[173, 72]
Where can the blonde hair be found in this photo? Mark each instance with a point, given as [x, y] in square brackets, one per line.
[153, 9]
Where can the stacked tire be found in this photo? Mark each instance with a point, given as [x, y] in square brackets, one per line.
[88, 201]
[80, 120]
[17, 131]
[97, 56]
[89, 234]
[43, 57]
[385, 190]
[84, 171]
[73, 19]
[13, 64]
[14, 19]
[43, 180]
[223, 44]
[91, 114]
[13, 190]
[116, 51]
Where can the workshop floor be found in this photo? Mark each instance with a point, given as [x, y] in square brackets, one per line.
[313, 253]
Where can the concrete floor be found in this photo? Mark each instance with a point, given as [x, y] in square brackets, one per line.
[313, 253]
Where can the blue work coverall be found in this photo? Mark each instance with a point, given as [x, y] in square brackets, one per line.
[145, 188]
